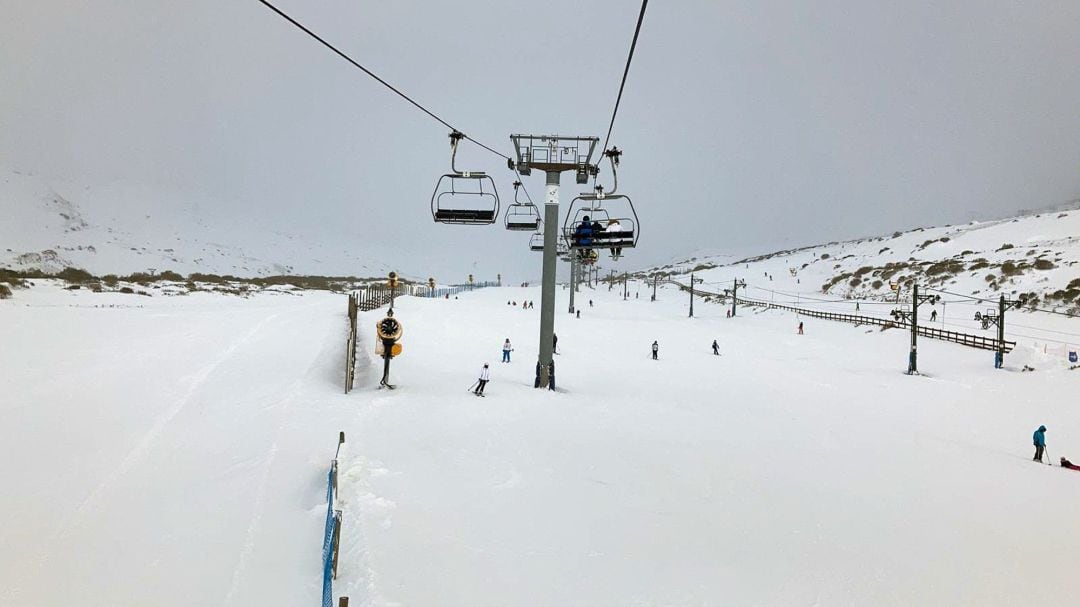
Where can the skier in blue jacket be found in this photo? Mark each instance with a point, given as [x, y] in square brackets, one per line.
[1039, 438]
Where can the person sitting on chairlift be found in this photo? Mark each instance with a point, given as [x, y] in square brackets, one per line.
[597, 227]
[614, 226]
[583, 232]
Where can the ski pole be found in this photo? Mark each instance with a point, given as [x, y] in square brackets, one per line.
[469, 389]
[1049, 460]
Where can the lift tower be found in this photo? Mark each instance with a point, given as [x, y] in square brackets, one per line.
[552, 154]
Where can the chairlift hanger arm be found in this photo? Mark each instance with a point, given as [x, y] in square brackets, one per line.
[455, 138]
[613, 154]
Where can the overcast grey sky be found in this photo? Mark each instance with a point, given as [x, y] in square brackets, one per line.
[747, 125]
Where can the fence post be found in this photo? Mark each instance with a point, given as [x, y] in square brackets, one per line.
[336, 540]
[343, 601]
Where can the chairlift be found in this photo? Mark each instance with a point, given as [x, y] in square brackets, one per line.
[536, 243]
[464, 197]
[522, 216]
[591, 222]
[587, 257]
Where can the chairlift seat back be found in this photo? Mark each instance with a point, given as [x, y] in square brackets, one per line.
[465, 199]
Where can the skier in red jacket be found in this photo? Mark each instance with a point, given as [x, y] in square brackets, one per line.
[1067, 464]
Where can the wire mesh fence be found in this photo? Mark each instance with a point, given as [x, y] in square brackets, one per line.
[332, 530]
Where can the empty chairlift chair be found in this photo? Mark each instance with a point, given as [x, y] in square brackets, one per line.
[536, 243]
[522, 216]
[464, 197]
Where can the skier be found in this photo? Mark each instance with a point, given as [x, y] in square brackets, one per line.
[856, 306]
[507, 349]
[800, 328]
[715, 348]
[555, 343]
[1067, 464]
[579, 314]
[1039, 438]
[655, 349]
[551, 375]
[933, 315]
[485, 375]
[590, 303]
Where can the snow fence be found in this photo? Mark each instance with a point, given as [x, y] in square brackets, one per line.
[332, 533]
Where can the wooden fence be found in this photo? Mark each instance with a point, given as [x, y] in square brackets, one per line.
[350, 342]
[375, 296]
[965, 339]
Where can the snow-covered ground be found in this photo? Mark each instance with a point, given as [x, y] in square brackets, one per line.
[173, 451]
[166, 450]
[790, 470]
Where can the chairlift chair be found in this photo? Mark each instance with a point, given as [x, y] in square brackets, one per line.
[464, 197]
[536, 243]
[587, 257]
[598, 208]
[522, 216]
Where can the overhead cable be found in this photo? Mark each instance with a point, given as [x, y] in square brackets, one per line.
[360, 67]
[626, 71]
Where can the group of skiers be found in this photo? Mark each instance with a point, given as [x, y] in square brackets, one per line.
[1039, 439]
[485, 371]
[525, 305]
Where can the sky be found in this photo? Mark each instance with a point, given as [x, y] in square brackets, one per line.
[747, 126]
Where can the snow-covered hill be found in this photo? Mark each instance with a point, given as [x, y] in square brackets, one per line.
[1034, 255]
[125, 229]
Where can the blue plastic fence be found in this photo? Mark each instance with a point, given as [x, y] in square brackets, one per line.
[331, 537]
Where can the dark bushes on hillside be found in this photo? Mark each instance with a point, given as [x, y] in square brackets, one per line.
[76, 275]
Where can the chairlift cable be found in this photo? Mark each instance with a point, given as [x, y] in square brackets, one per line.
[626, 71]
[360, 67]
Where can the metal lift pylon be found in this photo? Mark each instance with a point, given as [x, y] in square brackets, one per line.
[552, 154]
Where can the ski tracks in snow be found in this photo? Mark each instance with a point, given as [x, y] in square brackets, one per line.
[283, 405]
[135, 455]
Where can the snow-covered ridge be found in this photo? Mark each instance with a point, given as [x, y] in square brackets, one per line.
[1034, 255]
[50, 227]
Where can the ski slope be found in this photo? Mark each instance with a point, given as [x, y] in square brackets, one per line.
[791, 470]
[173, 450]
[166, 451]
